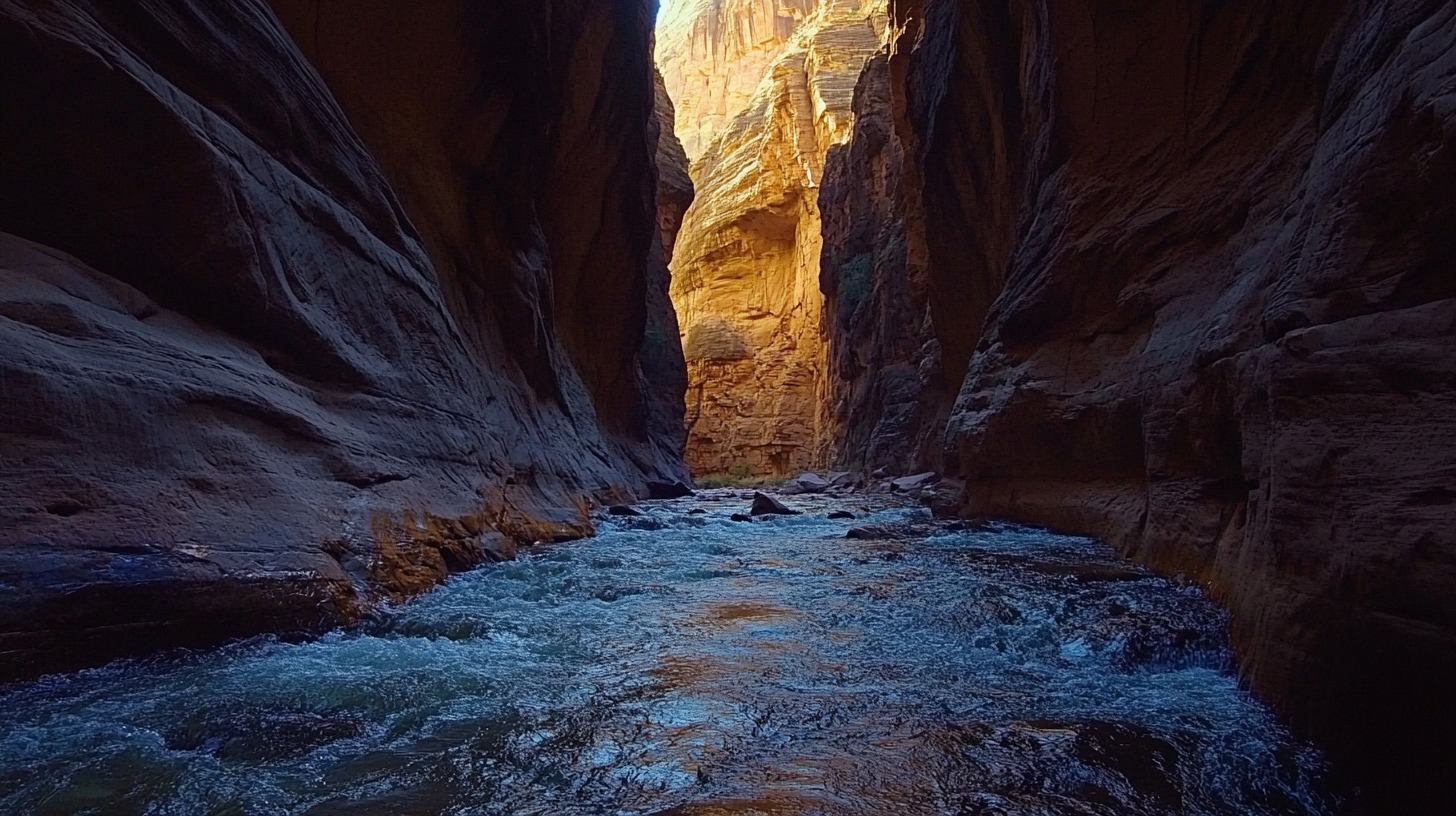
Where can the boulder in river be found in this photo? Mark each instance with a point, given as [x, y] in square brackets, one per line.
[741, 517]
[668, 490]
[805, 483]
[919, 480]
[697, 511]
[766, 505]
[623, 510]
[840, 514]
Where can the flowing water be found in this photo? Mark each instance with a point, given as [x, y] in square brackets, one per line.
[689, 664]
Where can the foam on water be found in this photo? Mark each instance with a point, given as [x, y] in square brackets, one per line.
[706, 665]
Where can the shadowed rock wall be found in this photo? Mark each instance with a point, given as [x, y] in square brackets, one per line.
[1193, 265]
[268, 357]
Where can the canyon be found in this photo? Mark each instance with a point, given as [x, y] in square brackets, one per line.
[307, 306]
[766, 88]
[1182, 276]
[286, 341]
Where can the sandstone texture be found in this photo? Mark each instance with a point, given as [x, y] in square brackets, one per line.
[306, 306]
[1191, 267]
[714, 53]
[746, 264]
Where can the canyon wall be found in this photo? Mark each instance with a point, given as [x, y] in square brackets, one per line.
[887, 397]
[299, 315]
[714, 53]
[1193, 268]
[746, 266]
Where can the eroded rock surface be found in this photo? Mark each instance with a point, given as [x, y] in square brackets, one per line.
[746, 266]
[276, 342]
[1192, 263]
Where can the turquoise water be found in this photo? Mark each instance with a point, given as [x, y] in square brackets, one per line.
[705, 666]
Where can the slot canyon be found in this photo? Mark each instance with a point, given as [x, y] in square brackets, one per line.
[732, 407]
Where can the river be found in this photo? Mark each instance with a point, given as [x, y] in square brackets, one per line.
[685, 663]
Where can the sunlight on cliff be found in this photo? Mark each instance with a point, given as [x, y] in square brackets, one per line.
[762, 90]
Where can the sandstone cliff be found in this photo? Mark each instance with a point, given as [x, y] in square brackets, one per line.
[746, 265]
[1195, 263]
[714, 53]
[267, 357]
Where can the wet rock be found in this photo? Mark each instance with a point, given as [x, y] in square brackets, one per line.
[668, 490]
[805, 483]
[766, 505]
[741, 517]
[840, 514]
[623, 510]
[874, 533]
[916, 482]
[880, 473]
[697, 511]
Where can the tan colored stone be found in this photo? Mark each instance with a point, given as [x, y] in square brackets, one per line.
[746, 268]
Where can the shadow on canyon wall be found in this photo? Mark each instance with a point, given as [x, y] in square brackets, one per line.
[307, 305]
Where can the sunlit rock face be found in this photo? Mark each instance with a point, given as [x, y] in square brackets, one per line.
[1190, 267]
[746, 265]
[308, 305]
[713, 54]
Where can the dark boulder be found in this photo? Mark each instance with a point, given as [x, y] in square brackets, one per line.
[668, 490]
[766, 505]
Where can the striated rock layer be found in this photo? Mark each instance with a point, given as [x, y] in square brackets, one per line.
[713, 55]
[286, 329]
[1194, 264]
[746, 265]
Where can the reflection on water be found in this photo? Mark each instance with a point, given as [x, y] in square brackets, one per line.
[708, 667]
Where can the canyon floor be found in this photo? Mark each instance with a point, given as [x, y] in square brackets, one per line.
[682, 662]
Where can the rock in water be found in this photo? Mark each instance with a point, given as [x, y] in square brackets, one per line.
[668, 490]
[623, 510]
[805, 483]
[840, 514]
[919, 480]
[766, 505]
[741, 517]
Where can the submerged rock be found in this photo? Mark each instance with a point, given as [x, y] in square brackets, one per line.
[841, 514]
[623, 510]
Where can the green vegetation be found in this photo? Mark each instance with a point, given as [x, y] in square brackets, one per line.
[737, 476]
[856, 280]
